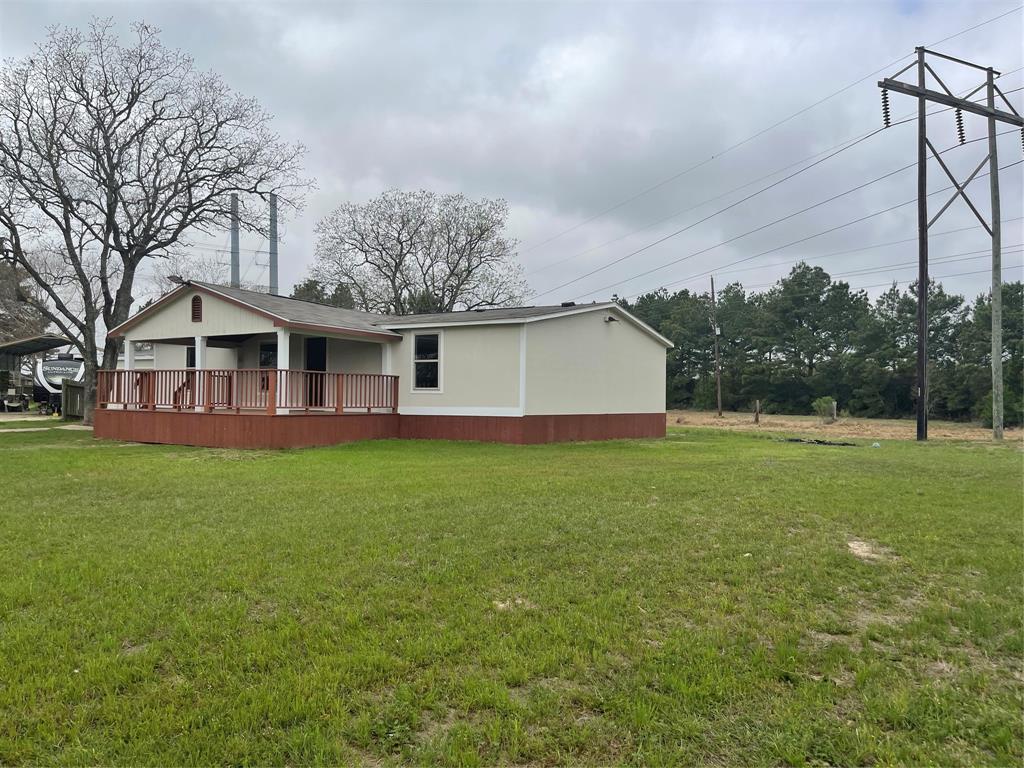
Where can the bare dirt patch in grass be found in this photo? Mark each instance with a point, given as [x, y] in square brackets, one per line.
[128, 648]
[881, 429]
[822, 639]
[227, 454]
[514, 604]
[434, 727]
[868, 552]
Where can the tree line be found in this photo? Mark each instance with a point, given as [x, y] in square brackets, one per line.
[809, 337]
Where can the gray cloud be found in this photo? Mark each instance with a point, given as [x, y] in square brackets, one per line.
[564, 109]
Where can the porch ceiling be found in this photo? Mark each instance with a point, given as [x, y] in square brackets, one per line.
[224, 341]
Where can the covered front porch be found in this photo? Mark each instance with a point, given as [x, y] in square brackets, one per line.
[223, 367]
[276, 373]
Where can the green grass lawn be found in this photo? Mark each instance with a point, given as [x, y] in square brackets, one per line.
[670, 601]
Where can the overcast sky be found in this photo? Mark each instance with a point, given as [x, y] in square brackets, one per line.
[567, 109]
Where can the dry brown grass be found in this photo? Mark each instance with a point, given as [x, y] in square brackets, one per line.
[881, 429]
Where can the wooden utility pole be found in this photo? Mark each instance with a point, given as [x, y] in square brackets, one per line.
[922, 254]
[997, 265]
[923, 94]
[718, 360]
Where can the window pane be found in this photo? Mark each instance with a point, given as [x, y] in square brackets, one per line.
[426, 375]
[190, 357]
[426, 347]
[268, 356]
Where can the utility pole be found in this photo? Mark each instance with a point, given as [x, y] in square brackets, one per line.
[923, 94]
[922, 254]
[236, 279]
[718, 361]
[273, 243]
[997, 264]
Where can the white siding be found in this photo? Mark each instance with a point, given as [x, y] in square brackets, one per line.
[345, 356]
[174, 320]
[296, 353]
[581, 364]
[173, 356]
[479, 371]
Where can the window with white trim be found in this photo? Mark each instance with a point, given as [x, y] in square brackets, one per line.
[426, 361]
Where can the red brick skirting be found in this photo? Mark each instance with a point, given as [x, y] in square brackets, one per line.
[229, 430]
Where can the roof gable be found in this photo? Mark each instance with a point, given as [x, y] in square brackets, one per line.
[279, 310]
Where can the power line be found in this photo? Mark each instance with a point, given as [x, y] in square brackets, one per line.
[952, 258]
[716, 213]
[756, 135]
[911, 116]
[848, 251]
[798, 294]
[786, 245]
[726, 208]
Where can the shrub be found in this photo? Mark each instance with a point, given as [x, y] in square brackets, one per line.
[824, 406]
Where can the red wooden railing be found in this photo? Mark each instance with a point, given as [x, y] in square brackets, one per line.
[247, 389]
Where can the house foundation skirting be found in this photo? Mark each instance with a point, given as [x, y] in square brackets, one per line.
[229, 430]
[534, 429]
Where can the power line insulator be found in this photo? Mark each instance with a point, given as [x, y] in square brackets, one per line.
[1022, 138]
[960, 127]
[886, 119]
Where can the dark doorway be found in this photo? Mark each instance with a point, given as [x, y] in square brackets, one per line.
[316, 360]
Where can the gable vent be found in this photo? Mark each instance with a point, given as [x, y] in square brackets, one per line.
[197, 309]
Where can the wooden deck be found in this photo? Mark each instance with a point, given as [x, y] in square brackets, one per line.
[297, 430]
[269, 408]
[245, 430]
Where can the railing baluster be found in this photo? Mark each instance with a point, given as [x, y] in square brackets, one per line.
[240, 389]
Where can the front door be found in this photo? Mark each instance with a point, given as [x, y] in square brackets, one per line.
[316, 360]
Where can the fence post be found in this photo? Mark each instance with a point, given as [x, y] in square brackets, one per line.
[835, 405]
[208, 391]
[272, 391]
[757, 411]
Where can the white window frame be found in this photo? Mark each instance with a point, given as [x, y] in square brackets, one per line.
[413, 389]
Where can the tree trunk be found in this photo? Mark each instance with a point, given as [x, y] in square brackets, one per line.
[89, 380]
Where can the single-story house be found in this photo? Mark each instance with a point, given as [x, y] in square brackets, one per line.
[259, 370]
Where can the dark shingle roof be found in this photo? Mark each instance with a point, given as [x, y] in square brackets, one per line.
[310, 313]
[480, 315]
[307, 313]
[298, 311]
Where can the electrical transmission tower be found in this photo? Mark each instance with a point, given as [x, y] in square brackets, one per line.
[924, 94]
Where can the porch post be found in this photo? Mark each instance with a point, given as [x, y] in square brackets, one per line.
[129, 355]
[283, 364]
[125, 379]
[201, 364]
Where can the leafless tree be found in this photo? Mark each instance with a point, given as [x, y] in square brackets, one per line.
[18, 317]
[112, 154]
[417, 251]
